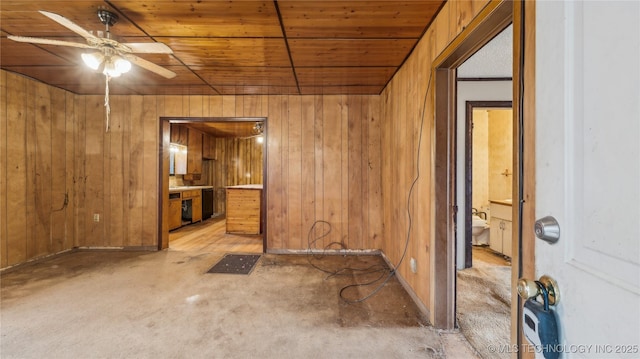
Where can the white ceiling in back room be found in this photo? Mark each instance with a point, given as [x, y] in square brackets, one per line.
[494, 60]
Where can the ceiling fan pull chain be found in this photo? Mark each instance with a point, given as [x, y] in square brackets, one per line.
[106, 101]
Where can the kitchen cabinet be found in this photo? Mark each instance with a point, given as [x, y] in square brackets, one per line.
[196, 204]
[175, 210]
[194, 152]
[208, 147]
[179, 134]
[195, 195]
[500, 237]
[185, 205]
[244, 208]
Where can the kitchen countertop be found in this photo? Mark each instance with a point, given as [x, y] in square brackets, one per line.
[186, 188]
[246, 186]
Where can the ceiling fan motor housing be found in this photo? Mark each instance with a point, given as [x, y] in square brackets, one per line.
[107, 17]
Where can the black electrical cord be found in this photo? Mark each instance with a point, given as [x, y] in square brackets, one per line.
[318, 256]
[386, 274]
[415, 180]
[521, 148]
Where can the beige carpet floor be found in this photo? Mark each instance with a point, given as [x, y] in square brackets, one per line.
[165, 305]
[484, 306]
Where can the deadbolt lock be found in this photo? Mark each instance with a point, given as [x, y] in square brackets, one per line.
[529, 289]
[547, 229]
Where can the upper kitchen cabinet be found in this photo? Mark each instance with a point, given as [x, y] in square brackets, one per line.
[194, 152]
[179, 134]
[208, 147]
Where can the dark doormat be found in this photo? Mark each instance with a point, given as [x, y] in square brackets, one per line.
[235, 264]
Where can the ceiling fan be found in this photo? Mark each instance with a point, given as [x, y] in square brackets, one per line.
[111, 56]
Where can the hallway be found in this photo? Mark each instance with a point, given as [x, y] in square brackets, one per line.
[484, 302]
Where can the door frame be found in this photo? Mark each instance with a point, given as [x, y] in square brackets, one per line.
[468, 166]
[496, 16]
[163, 179]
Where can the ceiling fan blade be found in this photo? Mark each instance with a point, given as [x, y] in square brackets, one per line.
[148, 48]
[151, 66]
[36, 40]
[69, 25]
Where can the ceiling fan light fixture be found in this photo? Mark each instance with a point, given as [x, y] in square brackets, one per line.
[112, 58]
[121, 64]
[93, 60]
[110, 69]
[258, 128]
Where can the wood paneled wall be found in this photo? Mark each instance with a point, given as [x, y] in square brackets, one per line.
[408, 122]
[238, 161]
[37, 148]
[348, 160]
[323, 164]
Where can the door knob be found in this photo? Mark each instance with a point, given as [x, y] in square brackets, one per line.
[528, 289]
[539, 323]
[547, 229]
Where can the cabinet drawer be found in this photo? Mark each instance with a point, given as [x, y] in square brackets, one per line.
[500, 211]
[191, 193]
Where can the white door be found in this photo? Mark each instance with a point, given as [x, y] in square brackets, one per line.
[588, 170]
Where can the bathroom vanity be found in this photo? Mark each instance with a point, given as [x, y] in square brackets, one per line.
[500, 228]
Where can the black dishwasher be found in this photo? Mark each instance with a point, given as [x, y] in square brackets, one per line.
[207, 203]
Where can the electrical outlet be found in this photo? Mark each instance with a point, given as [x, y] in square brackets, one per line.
[414, 265]
[96, 217]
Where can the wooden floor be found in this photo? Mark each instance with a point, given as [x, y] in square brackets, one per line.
[486, 255]
[209, 236]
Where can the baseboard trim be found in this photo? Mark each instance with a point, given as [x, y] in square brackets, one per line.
[329, 252]
[35, 260]
[120, 249]
[423, 308]
[78, 249]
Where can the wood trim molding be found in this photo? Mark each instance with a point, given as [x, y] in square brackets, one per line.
[163, 182]
[414, 296]
[468, 165]
[443, 250]
[487, 79]
[215, 119]
[495, 16]
[524, 159]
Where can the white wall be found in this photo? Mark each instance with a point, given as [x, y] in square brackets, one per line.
[471, 91]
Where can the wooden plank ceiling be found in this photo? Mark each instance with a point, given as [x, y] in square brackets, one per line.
[225, 47]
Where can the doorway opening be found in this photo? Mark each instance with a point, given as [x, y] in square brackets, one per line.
[222, 155]
[483, 279]
[488, 178]
[490, 21]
